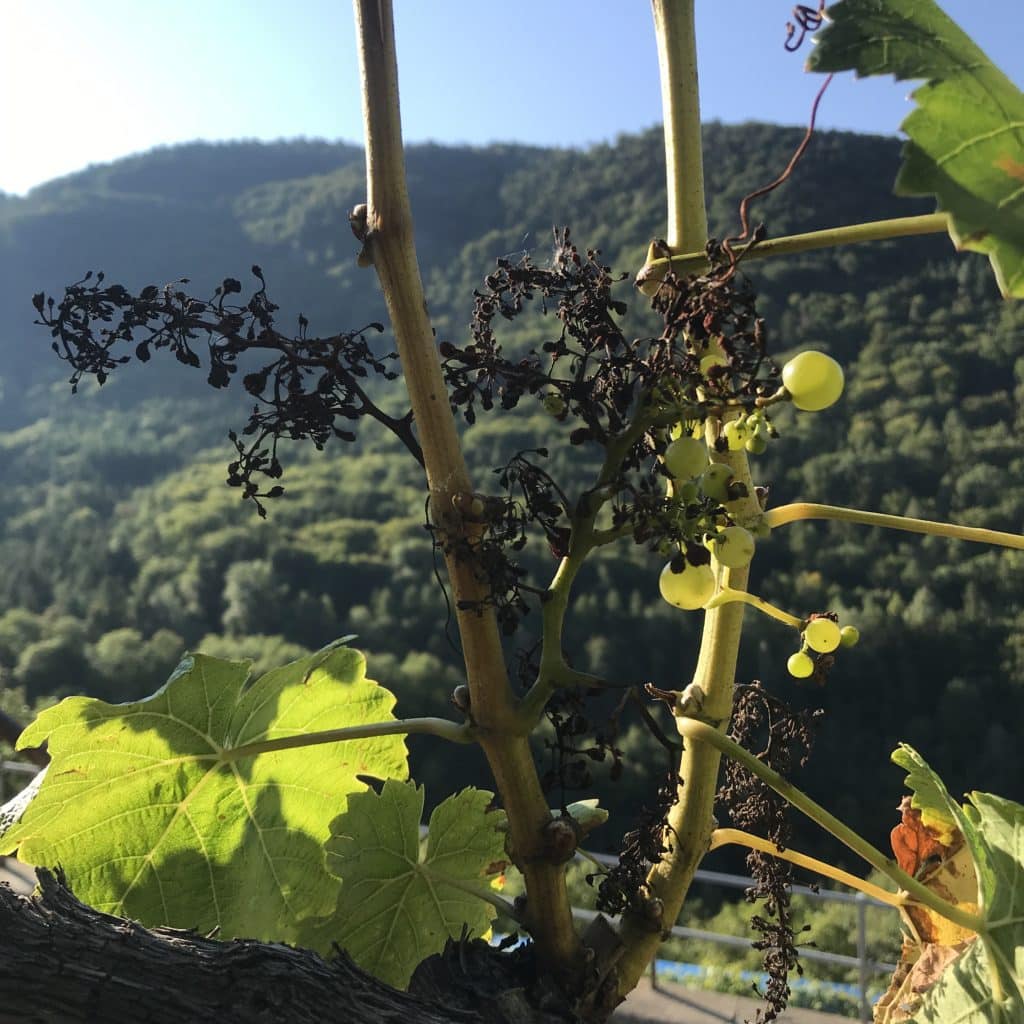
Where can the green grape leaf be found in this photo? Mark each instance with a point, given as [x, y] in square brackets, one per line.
[982, 981]
[929, 795]
[153, 816]
[966, 136]
[400, 902]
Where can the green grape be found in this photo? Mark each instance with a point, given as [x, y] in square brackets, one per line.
[822, 635]
[800, 665]
[814, 380]
[690, 589]
[685, 457]
[757, 444]
[687, 429]
[849, 636]
[687, 492]
[735, 434]
[733, 547]
[554, 404]
[714, 481]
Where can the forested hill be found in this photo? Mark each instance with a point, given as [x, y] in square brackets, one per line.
[121, 546]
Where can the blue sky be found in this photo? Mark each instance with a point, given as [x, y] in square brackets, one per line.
[87, 81]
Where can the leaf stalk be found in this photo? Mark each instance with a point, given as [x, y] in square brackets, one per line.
[736, 837]
[704, 734]
[456, 732]
[696, 262]
[808, 510]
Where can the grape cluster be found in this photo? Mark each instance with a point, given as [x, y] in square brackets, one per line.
[821, 636]
[749, 431]
[812, 381]
[626, 395]
[311, 388]
[702, 527]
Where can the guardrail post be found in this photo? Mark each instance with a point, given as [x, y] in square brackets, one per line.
[862, 954]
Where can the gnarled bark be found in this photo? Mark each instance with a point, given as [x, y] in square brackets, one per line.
[61, 961]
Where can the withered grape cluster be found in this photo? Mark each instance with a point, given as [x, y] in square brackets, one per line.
[623, 889]
[311, 387]
[782, 739]
[623, 394]
[594, 378]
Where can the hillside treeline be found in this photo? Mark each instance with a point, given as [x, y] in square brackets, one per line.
[122, 547]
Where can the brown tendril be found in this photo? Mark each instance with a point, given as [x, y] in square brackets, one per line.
[807, 20]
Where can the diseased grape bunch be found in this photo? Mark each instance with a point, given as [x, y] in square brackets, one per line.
[645, 402]
[813, 381]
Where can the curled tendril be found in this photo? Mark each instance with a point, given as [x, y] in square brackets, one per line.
[808, 20]
[309, 389]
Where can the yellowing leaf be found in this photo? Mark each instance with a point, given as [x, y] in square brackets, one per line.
[953, 879]
[928, 796]
[949, 973]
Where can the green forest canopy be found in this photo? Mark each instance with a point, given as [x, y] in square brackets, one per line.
[122, 546]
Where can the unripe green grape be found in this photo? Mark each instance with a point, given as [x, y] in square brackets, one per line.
[800, 665]
[822, 635]
[814, 380]
[554, 404]
[849, 636]
[733, 547]
[714, 481]
[735, 435]
[757, 444]
[690, 589]
[687, 492]
[687, 429]
[685, 457]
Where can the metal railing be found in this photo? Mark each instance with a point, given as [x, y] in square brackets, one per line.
[865, 966]
[8, 768]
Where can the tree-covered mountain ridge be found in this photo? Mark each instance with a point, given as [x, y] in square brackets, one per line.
[204, 211]
[122, 546]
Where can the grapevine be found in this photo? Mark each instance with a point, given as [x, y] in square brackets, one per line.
[668, 420]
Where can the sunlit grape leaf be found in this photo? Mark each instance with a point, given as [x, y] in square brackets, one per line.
[401, 900]
[156, 813]
[966, 136]
[12, 811]
[946, 973]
